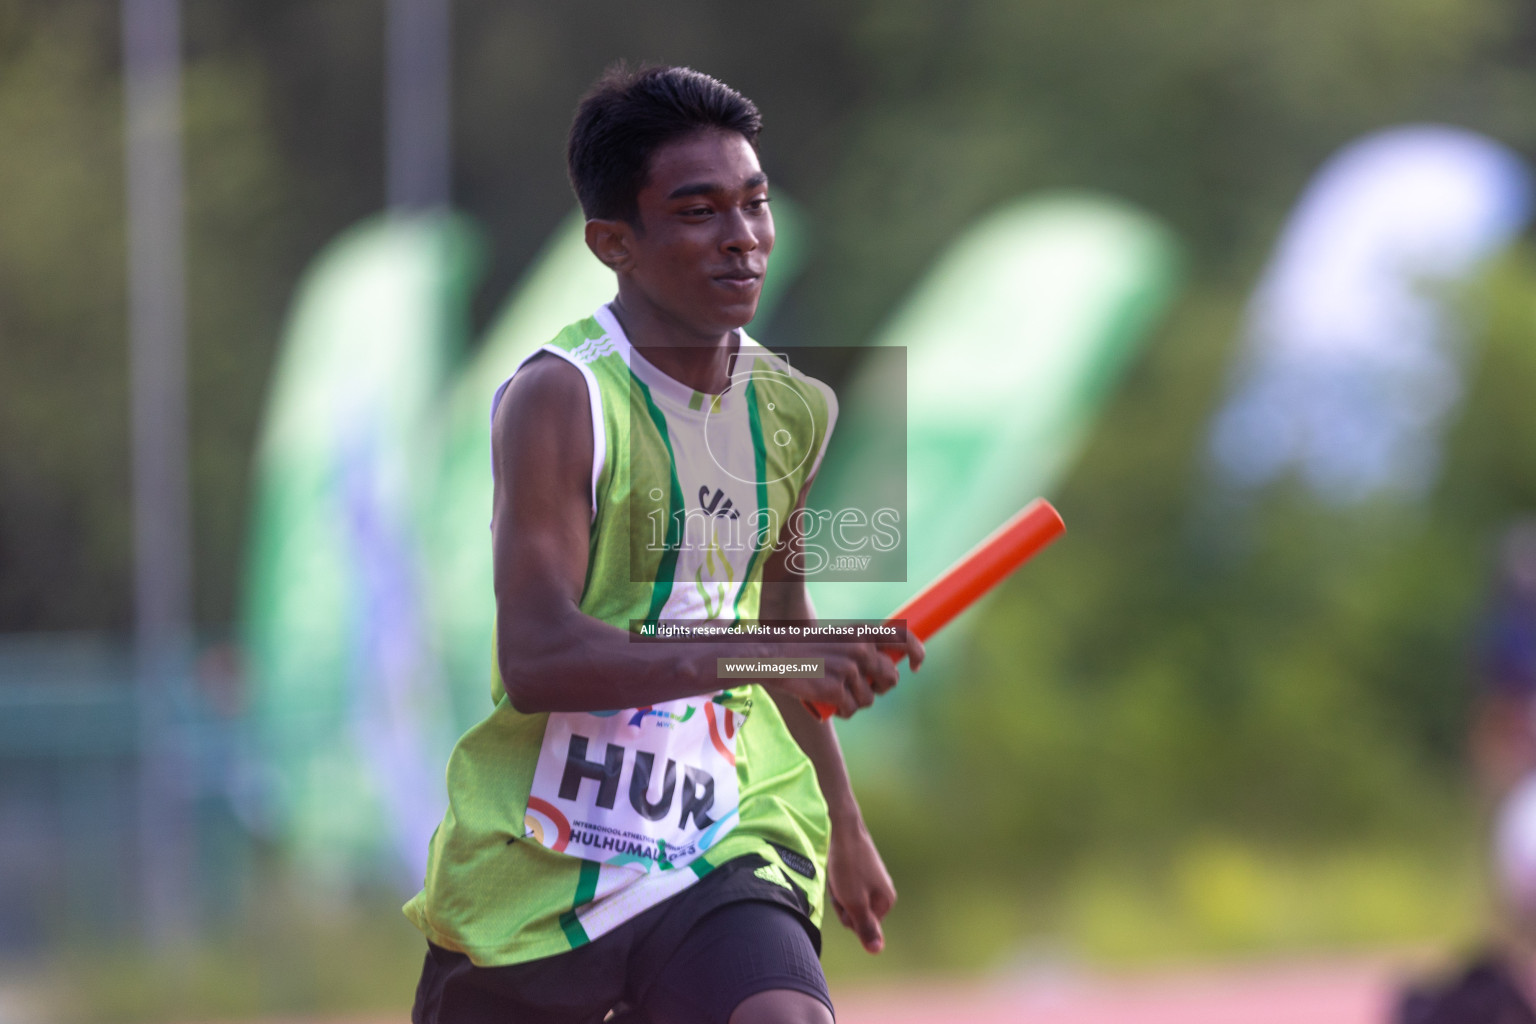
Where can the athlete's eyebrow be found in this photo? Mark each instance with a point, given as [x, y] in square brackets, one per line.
[704, 188]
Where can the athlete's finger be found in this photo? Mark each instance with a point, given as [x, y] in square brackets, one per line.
[845, 673]
[867, 927]
[842, 915]
[827, 690]
[883, 899]
[847, 706]
[843, 701]
[916, 652]
[883, 674]
[875, 667]
[860, 688]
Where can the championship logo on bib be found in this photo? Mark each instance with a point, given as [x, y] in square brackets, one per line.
[652, 786]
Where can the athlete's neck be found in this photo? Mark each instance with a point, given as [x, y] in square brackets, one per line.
[701, 361]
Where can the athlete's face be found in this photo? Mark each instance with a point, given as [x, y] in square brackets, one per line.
[699, 252]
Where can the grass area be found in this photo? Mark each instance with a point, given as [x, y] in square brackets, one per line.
[1216, 899]
[298, 951]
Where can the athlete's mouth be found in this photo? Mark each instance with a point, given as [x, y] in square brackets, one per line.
[740, 277]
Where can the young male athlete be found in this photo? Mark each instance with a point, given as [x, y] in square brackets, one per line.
[626, 830]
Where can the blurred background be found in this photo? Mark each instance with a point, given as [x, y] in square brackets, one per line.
[1247, 289]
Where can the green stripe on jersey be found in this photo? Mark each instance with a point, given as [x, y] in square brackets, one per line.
[586, 888]
[760, 461]
[665, 571]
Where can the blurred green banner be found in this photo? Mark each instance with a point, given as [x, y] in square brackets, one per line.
[1013, 341]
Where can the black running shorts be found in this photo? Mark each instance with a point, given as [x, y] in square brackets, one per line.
[694, 957]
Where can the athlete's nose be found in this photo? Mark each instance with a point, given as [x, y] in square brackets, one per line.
[740, 238]
[742, 235]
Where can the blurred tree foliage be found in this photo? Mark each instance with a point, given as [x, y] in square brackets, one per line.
[1294, 675]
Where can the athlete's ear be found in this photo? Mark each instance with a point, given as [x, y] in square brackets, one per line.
[609, 241]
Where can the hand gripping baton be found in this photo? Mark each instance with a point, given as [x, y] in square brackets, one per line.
[981, 569]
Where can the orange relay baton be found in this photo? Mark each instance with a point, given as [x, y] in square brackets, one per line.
[978, 571]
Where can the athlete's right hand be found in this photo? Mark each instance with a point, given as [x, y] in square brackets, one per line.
[854, 675]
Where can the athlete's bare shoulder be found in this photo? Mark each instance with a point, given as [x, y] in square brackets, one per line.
[545, 387]
[541, 433]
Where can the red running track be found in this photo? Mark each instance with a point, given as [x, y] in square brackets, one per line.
[1334, 992]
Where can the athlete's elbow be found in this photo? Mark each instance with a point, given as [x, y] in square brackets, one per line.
[519, 679]
[524, 701]
[523, 691]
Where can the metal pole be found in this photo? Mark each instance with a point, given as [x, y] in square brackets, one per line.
[161, 503]
[417, 105]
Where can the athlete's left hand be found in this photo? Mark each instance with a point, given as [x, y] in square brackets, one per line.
[860, 888]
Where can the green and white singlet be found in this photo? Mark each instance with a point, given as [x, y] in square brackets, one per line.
[563, 825]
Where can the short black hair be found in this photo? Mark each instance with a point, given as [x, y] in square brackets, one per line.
[628, 114]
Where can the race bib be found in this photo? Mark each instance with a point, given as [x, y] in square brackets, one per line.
[651, 787]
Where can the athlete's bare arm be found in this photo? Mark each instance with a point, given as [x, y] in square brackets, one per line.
[861, 889]
[551, 656]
